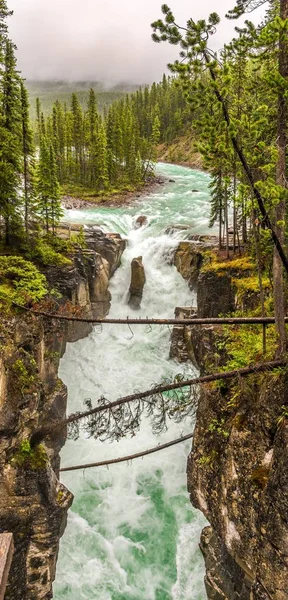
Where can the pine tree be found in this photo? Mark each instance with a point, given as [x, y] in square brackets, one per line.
[56, 211]
[78, 138]
[102, 179]
[92, 131]
[48, 191]
[276, 30]
[43, 183]
[10, 122]
[28, 157]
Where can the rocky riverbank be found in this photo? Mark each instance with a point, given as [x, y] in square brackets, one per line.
[119, 199]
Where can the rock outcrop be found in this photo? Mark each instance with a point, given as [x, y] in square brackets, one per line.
[215, 295]
[189, 255]
[140, 221]
[237, 476]
[181, 347]
[109, 246]
[138, 280]
[33, 503]
[237, 469]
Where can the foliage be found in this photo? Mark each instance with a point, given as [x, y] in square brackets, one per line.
[49, 92]
[239, 102]
[244, 345]
[93, 151]
[208, 460]
[217, 426]
[25, 375]
[46, 255]
[212, 263]
[284, 415]
[28, 458]
[250, 284]
[20, 282]
[78, 239]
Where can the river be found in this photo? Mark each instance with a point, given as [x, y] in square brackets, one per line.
[132, 533]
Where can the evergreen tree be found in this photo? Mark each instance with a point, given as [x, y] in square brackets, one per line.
[10, 123]
[276, 31]
[78, 138]
[48, 191]
[101, 159]
[266, 185]
[28, 157]
[56, 211]
[92, 126]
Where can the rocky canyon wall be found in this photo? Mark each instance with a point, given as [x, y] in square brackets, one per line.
[237, 469]
[33, 503]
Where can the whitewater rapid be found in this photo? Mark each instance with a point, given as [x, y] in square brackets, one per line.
[132, 532]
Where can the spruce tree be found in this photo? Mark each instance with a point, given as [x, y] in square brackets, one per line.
[48, 191]
[56, 211]
[92, 132]
[28, 157]
[78, 138]
[276, 31]
[102, 180]
[10, 123]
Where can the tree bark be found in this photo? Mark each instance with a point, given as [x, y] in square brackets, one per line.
[280, 211]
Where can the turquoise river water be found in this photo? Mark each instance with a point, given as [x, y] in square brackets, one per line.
[132, 533]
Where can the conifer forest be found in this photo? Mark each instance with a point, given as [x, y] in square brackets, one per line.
[169, 198]
[231, 105]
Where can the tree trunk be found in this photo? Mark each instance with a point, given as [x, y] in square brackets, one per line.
[7, 231]
[278, 276]
[220, 216]
[226, 219]
[26, 192]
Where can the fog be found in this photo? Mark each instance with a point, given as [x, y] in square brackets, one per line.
[101, 40]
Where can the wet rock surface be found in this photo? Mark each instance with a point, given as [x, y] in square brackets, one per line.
[215, 294]
[181, 347]
[237, 477]
[189, 255]
[33, 503]
[237, 469]
[140, 221]
[138, 280]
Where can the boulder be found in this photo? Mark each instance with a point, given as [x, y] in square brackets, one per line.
[174, 228]
[140, 221]
[188, 259]
[138, 280]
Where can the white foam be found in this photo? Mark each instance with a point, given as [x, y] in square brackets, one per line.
[123, 517]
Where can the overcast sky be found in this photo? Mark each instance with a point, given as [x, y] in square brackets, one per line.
[106, 40]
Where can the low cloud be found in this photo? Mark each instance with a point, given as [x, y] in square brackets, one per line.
[106, 40]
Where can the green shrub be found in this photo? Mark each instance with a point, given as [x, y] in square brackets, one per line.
[223, 267]
[244, 345]
[30, 459]
[20, 282]
[25, 374]
[48, 256]
[250, 284]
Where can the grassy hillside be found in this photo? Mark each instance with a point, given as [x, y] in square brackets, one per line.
[181, 151]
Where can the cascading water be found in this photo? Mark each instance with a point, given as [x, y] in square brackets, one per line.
[132, 532]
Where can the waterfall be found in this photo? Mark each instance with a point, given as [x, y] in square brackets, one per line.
[132, 532]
